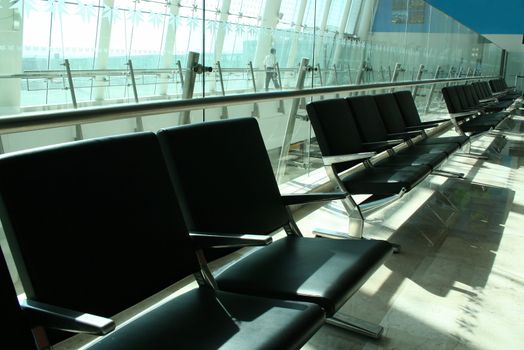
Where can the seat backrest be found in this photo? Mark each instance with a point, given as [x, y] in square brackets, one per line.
[496, 85]
[471, 95]
[367, 116]
[335, 129]
[390, 113]
[484, 85]
[407, 107]
[223, 175]
[94, 225]
[15, 328]
[464, 103]
[481, 94]
[452, 100]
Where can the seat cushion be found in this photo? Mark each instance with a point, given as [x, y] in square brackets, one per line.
[449, 139]
[382, 180]
[447, 148]
[319, 270]
[203, 319]
[414, 157]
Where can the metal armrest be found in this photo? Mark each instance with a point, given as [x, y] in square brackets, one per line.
[463, 114]
[421, 127]
[65, 319]
[406, 135]
[488, 100]
[384, 143]
[347, 157]
[438, 121]
[233, 240]
[290, 199]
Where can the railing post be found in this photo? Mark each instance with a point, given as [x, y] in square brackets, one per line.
[180, 73]
[350, 80]
[282, 161]
[79, 135]
[255, 112]
[189, 84]
[414, 91]
[459, 72]
[320, 75]
[139, 124]
[432, 90]
[382, 75]
[396, 71]
[360, 74]
[225, 113]
[280, 102]
[335, 76]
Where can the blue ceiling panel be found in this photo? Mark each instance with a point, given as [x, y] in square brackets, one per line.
[485, 16]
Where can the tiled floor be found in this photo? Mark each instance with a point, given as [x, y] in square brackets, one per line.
[458, 282]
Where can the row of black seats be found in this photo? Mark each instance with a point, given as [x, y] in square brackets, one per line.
[97, 226]
[377, 145]
[474, 108]
[502, 90]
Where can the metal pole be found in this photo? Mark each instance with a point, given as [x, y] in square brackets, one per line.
[414, 90]
[320, 75]
[335, 74]
[396, 71]
[79, 135]
[139, 124]
[189, 84]
[278, 75]
[225, 114]
[180, 73]
[432, 90]
[70, 82]
[255, 112]
[459, 73]
[282, 161]
[360, 75]
[280, 102]
[350, 81]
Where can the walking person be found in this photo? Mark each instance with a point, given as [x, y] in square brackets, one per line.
[270, 65]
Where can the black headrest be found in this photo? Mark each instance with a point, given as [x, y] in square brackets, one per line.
[224, 177]
[94, 225]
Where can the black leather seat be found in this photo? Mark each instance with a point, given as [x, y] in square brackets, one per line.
[242, 196]
[395, 121]
[372, 129]
[409, 111]
[457, 104]
[348, 159]
[96, 226]
[500, 86]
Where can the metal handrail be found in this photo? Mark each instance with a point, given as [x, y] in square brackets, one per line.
[87, 73]
[60, 118]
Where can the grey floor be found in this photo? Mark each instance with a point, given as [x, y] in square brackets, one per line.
[458, 282]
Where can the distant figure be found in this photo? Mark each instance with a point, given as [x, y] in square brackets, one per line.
[270, 65]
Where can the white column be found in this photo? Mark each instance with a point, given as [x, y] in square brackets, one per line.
[341, 29]
[269, 22]
[364, 24]
[11, 39]
[319, 46]
[365, 20]
[219, 39]
[169, 45]
[102, 49]
[291, 61]
[221, 32]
